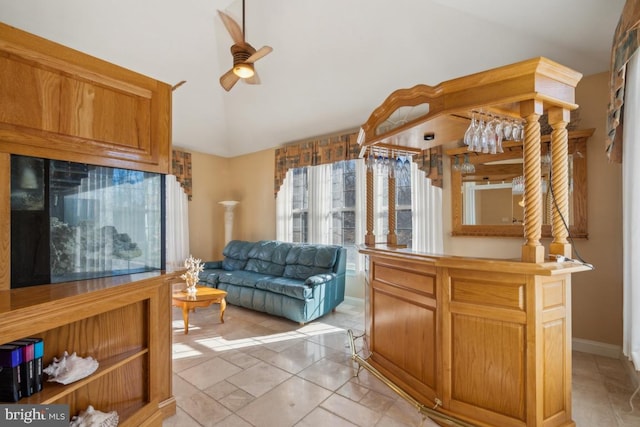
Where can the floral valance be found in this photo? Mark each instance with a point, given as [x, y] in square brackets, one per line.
[314, 152]
[625, 42]
[181, 168]
[343, 147]
[430, 162]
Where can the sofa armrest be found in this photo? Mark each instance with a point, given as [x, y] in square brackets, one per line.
[212, 264]
[319, 279]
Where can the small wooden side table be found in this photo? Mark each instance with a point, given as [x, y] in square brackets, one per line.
[203, 298]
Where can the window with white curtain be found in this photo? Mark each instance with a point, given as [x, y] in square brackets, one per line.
[404, 225]
[325, 204]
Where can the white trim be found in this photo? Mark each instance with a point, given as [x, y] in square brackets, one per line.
[597, 348]
[354, 301]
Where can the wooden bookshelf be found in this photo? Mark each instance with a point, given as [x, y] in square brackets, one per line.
[61, 104]
[118, 321]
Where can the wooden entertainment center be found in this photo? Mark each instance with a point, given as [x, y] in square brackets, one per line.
[58, 103]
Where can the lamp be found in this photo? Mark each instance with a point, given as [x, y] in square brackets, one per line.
[228, 218]
[244, 70]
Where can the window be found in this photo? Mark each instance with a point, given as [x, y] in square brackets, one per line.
[343, 208]
[323, 203]
[300, 205]
[403, 207]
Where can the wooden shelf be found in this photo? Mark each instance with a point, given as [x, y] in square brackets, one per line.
[53, 391]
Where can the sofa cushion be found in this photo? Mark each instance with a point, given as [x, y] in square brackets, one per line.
[268, 257]
[242, 278]
[307, 260]
[236, 254]
[286, 286]
[209, 277]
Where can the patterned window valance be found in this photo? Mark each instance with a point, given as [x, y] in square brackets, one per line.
[181, 168]
[625, 42]
[314, 152]
[430, 162]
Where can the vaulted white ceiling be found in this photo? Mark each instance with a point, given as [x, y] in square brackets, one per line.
[333, 61]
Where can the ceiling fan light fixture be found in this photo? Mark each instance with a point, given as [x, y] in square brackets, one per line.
[243, 70]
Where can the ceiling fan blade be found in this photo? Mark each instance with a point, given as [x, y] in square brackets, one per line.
[263, 51]
[232, 27]
[253, 80]
[228, 79]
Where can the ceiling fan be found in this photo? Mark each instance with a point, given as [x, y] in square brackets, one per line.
[244, 55]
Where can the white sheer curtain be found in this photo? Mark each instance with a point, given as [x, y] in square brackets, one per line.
[284, 214]
[320, 204]
[319, 209]
[177, 224]
[426, 213]
[631, 212]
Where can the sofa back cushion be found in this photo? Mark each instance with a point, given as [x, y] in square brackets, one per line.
[305, 260]
[236, 255]
[268, 257]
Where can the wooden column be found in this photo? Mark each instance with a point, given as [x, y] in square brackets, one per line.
[370, 238]
[532, 250]
[392, 237]
[558, 119]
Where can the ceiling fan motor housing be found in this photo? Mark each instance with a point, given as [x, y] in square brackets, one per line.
[240, 53]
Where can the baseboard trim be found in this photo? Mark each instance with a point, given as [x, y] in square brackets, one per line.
[353, 300]
[597, 348]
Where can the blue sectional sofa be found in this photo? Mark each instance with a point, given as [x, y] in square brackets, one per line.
[294, 280]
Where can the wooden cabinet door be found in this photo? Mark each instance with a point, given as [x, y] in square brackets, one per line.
[61, 104]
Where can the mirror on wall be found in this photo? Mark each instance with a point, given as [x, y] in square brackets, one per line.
[488, 190]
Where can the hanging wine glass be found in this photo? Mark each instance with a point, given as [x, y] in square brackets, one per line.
[398, 166]
[371, 161]
[380, 163]
[488, 140]
[468, 135]
[517, 132]
[466, 166]
[499, 135]
[507, 128]
[476, 144]
[456, 164]
[406, 167]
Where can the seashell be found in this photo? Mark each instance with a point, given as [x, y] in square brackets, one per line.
[70, 368]
[90, 417]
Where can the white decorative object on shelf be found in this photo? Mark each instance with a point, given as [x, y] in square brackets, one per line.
[191, 276]
[90, 417]
[70, 368]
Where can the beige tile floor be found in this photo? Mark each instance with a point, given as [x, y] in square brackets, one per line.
[260, 370]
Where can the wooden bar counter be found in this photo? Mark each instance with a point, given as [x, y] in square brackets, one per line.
[485, 341]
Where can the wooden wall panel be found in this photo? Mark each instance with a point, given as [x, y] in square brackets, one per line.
[105, 115]
[29, 96]
[402, 325]
[61, 104]
[488, 365]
